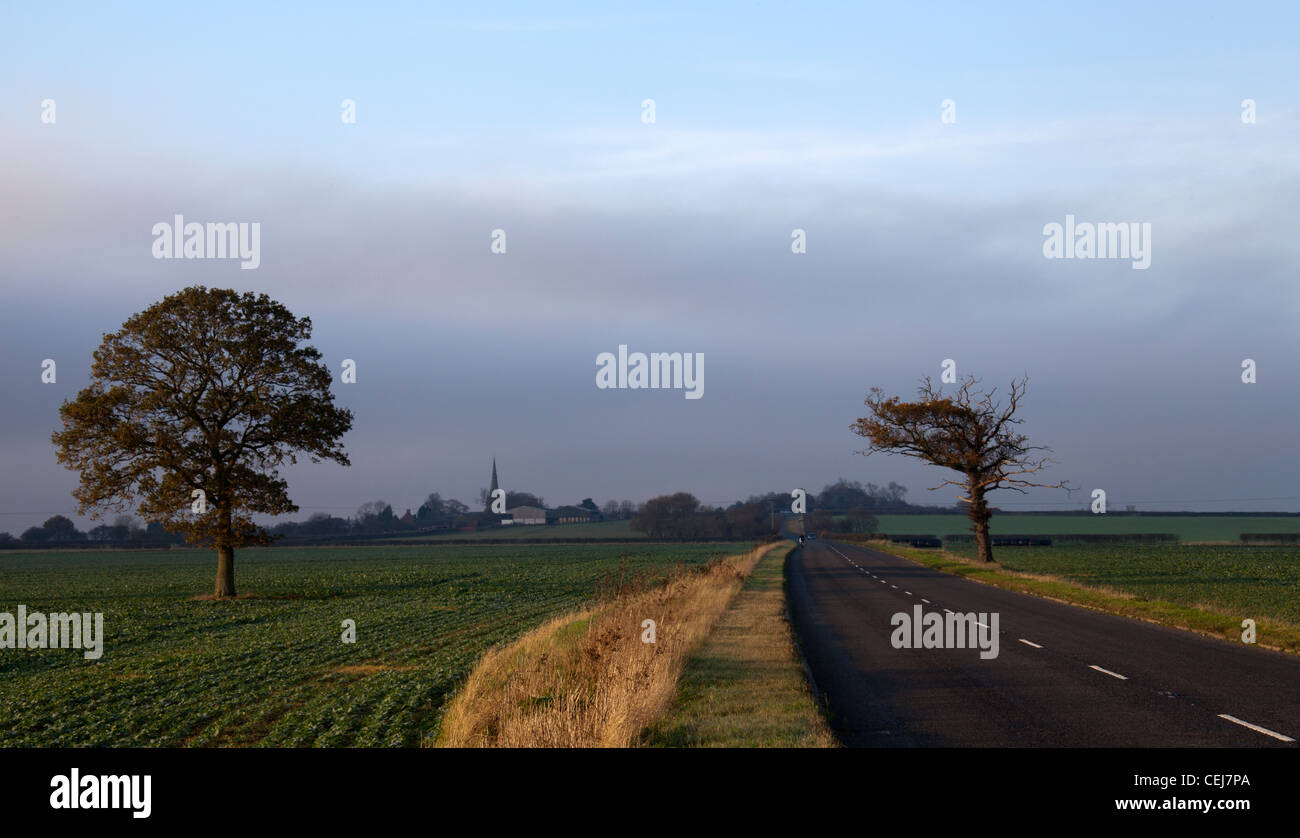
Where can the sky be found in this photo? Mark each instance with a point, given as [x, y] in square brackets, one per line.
[923, 220]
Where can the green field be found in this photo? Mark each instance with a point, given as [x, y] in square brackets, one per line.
[1244, 581]
[271, 669]
[1208, 528]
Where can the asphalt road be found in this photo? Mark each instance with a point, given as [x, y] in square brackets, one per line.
[1064, 676]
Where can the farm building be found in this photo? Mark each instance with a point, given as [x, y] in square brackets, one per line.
[572, 515]
[527, 515]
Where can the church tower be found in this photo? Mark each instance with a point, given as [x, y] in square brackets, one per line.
[494, 486]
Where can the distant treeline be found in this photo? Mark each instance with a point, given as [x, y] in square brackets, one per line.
[681, 517]
[1068, 538]
[1038, 540]
[60, 531]
[844, 496]
[678, 519]
[845, 507]
[436, 515]
[374, 519]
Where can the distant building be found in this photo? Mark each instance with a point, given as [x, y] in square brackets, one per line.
[536, 515]
[527, 515]
[572, 515]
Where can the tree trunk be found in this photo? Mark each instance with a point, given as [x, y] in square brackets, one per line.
[225, 572]
[979, 515]
[225, 586]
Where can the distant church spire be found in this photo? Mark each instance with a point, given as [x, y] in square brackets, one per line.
[494, 475]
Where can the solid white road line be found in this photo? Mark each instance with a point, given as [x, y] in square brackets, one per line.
[1027, 643]
[1256, 728]
[1108, 672]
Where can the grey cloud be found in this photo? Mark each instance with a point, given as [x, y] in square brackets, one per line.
[463, 354]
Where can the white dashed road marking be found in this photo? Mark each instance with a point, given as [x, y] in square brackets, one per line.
[1108, 672]
[1256, 728]
[1280, 737]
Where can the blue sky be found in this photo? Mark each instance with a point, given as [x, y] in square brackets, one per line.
[924, 238]
[434, 82]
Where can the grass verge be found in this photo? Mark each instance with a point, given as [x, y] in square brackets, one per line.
[1273, 634]
[587, 679]
[745, 687]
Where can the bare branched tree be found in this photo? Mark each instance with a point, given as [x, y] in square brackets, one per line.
[968, 432]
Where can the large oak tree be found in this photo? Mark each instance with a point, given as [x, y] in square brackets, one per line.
[968, 432]
[202, 397]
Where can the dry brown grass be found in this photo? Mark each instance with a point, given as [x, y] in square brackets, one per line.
[586, 679]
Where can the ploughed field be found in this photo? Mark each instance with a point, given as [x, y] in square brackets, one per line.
[271, 669]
